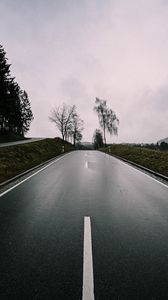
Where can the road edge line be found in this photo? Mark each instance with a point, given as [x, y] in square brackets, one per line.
[18, 176]
[139, 169]
[30, 176]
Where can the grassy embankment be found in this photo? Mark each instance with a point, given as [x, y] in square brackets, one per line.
[17, 159]
[151, 159]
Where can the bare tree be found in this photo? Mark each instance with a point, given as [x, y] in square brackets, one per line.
[62, 117]
[76, 128]
[107, 118]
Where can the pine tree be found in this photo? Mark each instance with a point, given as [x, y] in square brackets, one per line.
[97, 139]
[4, 88]
[15, 109]
[26, 112]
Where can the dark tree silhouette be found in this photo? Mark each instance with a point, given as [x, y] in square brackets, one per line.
[68, 122]
[62, 116]
[76, 128]
[26, 113]
[15, 109]
[97, 139]
[107, 118]
[13, 106]
[4, 88]
[163, 146]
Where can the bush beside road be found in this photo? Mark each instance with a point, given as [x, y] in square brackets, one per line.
[151, 159]
[17, 159]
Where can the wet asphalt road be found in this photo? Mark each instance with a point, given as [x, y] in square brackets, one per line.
[41, 232]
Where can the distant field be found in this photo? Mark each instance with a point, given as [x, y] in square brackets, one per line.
[17, 159]
[152, 159]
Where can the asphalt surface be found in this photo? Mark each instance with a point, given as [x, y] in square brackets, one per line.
[42, 224]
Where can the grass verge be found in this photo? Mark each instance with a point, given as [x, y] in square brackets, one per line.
[17, 159]
[151, 159]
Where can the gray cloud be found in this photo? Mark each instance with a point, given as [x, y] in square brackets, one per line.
[72, 51]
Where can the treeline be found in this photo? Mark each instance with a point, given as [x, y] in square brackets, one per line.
[15, 110]
[162, 146]
[70, 124]
[16, 114]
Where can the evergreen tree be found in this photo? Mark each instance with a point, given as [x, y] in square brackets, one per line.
[4, 88]
[26, 112]
[15, 109]
[97, 139]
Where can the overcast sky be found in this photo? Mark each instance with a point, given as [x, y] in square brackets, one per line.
[75, 50]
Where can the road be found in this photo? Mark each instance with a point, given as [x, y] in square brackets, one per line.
[42, 231]
[20, 142]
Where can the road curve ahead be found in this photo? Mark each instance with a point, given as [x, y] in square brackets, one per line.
[42, 232]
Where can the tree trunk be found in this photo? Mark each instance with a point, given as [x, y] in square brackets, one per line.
[104, 136]
[74, 139]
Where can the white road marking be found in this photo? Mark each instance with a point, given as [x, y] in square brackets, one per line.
[86, 165]
[88, 284]
[14, 186]
[149, 176]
